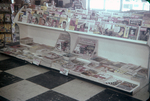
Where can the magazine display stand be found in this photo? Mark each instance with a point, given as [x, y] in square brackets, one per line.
[123, 51]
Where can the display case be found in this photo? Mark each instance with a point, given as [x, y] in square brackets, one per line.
[120, 63]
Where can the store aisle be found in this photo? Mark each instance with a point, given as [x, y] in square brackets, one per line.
[21, 81]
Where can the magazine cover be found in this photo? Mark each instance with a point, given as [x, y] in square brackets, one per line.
[1, 40]
[1, 17]
[133, 31]
[63, 23]
[40, 13]
[73, 24]
[24, 18]
[2, 28]
[122, 21]
[49, 21]
[82, 26]
[77, 62]
[127, 86]
[91, 26]
[108, 29]
[42, 20]
[135, 22]
[85, 47]
[144, 34]
[46, 14]
[35, 17]
[79, 69]
[98, 28]
[63, 43]
[7, 27]
[120, 30]
[93, 16]
[55, 22]
[20, 16]
[8, 38]
[7, 18]
[29, 16]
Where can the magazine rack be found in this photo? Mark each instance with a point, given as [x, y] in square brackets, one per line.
[112, 48]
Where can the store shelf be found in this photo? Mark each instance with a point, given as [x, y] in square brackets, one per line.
[35, 25]
[109, 37]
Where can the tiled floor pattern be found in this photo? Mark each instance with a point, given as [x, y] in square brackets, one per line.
[20, 81]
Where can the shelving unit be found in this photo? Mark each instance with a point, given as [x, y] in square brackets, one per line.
[5, 23]
[113, 48]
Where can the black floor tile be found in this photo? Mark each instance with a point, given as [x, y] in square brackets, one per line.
[3, 99]
[10, 63]
[50, 79]
[109, 95]
[7, 79]
[51, 96]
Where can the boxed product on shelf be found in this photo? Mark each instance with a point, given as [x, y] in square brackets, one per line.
[8, 38]
[7, 18]
[26, 40]
[8, 28]
[2, 40]
[6, 7]
[1, 17]
[2, 28]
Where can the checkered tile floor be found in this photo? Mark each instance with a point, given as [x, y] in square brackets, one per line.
[20, 81]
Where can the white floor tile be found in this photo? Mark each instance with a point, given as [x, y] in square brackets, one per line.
[27, 71]
[22, 91]
[3, 57]
[79, 90]
[142, 94]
